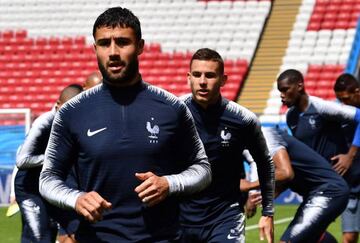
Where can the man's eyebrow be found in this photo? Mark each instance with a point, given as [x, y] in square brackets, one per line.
[103, 39]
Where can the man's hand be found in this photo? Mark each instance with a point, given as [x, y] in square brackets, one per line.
[266, 228]
[252, 202]
[153, 189]
[91, 205]
[12, 200]
[344, 161]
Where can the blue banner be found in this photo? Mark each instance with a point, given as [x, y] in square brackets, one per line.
[288, 197]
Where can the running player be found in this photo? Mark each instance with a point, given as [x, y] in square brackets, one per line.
[134, 147]
[37, 217]
[347, 91]
[317, 122]
[325, 193]
[226, 129]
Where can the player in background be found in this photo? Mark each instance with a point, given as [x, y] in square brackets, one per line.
[226, 129]
[38, 217]
[317, 122]
[134, 147]
[93, 79]
[347, 91]
[325, 193]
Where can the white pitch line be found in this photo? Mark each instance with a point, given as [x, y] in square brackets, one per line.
[280, 221]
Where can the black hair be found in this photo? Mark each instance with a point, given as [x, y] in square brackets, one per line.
[346, 82]
[70, 91]
[293, 76]
[206, 54]
[120, 17]
[77, 87]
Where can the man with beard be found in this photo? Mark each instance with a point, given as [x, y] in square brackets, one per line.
[134, 147]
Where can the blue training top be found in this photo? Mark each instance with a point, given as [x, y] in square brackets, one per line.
[312, 172]
[226, 129]
[110, 134]
[321, 127]
[30, 157]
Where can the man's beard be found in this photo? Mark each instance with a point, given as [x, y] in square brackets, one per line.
[130, 72]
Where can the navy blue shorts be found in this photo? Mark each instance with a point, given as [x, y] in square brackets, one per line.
[68, 220]
[230, 227]
[41, 220]
[312, 218]
[37, 226]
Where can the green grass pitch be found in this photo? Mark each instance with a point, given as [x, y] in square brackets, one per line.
[10, 228]
[283, 212]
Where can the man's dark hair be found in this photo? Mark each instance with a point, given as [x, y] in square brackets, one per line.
[206, 54]
[77, 87]
[118, 17]
[346, 82]
[293, 76]
[70, 91]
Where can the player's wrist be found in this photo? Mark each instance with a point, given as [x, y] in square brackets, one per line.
[268, 213]
[173, 183]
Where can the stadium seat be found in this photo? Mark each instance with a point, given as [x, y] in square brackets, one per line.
[331, 23]
[57, 38]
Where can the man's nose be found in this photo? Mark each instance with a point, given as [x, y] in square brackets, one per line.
[114, 49]
[203, 79]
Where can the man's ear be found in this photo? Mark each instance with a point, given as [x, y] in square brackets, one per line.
[141, 44]
[57, 105]
[188, 79]
[223, 80]
[300, 86]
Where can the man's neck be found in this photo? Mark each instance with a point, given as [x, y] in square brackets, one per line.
[303, 102]
[207, 105]
[136, 79]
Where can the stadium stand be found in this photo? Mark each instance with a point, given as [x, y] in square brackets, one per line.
[45, 45]
[271, 48]
[319, 46]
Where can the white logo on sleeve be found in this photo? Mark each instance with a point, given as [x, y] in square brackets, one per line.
[153, 130]
[92, 133]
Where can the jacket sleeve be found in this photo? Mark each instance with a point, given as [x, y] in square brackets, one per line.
[31, 153]
[197, 175]
[265, 167]
[59, 158]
